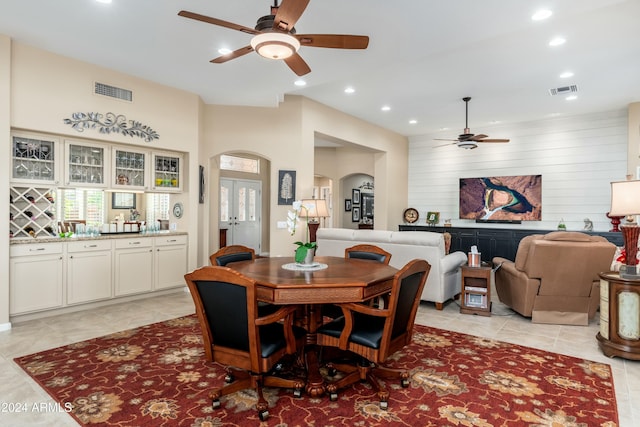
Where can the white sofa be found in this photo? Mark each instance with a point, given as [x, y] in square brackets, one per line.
[443, 282]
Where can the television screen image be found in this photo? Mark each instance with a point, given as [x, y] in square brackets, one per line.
[501, 198]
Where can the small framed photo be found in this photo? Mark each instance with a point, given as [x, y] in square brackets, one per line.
[347, 205]
[355, 214]
[355, 196]
[433, 218]
[123, 201]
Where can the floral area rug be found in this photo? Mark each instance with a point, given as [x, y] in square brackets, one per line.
[156, 375]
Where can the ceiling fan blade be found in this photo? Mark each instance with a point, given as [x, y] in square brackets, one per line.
[478, 137]
[442, 139]
[493, 140]
[233, 55]
[215, 21]
[335, 41]
[297, 64]
[444, 145]
[288, 14]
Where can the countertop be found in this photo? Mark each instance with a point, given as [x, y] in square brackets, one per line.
[54, 239]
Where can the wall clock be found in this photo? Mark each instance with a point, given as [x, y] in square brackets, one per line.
[178, 210]
[410, 215]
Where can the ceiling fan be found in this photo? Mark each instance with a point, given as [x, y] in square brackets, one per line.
[468, 140]
[276, 38]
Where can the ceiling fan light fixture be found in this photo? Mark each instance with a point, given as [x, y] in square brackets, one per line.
[275, 45]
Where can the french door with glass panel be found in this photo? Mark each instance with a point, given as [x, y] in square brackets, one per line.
[240, 208]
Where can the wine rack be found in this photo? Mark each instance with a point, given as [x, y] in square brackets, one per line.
[32, 212]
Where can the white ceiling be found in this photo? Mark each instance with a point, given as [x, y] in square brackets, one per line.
[423, 55]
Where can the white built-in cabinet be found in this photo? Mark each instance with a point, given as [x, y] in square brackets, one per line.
[167, 172]
[50, 276]
[36, 280]
[170, 261]
[89, 271]
[86, 165]
[130, 169]
[133, 266]
[35, 159]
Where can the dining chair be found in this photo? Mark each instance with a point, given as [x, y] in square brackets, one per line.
[233, 335]
[370, 252]
[374, 334]
[361, 251]
[232, 253]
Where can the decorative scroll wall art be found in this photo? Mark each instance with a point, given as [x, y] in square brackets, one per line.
[111, 123]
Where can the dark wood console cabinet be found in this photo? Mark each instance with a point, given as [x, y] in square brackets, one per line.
[492, 242]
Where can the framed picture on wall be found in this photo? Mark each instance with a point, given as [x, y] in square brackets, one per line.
[201, 186]
[347, 205]
[123, 201]
[355, 196]
[355, 214]
[286, 187]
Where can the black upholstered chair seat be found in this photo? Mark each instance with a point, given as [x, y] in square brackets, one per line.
[367, 330]
[272, 338]
[368, 255]
[223, 260]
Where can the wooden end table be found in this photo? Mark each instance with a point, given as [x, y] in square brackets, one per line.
[475, 293]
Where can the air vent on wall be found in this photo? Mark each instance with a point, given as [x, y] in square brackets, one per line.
[563, 90]
[113, 92]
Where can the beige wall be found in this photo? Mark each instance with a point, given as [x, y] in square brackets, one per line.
[5, 167]
[285, 136]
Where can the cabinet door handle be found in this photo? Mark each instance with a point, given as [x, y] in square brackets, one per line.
[134, 243]
[90, 246]
[171, 240]
[36, 249]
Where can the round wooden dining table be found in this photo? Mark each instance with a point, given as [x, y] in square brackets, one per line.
[339, 280]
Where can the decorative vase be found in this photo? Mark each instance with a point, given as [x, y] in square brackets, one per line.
[304, 255]
[308, 258]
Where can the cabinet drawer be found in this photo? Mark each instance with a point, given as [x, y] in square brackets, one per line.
[89, 245]
[29, 249]
[171, 240]
[142, 242]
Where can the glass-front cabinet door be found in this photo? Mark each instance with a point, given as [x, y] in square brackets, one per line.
[35, 158]
[86, 163]
[129, 169]
[167, 172]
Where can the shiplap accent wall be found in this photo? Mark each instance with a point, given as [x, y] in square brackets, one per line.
[577, 157]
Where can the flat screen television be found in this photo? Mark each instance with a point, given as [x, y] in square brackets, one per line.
[501, 198]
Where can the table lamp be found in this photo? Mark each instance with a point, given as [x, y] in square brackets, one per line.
[625, 201]
[317, 209]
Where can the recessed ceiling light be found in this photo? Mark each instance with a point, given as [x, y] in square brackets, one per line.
[385, 108]
[495, 122]
[541, 14]
[557, 41]
[566, 75]
[300, 82]
[413, 121]
[571, 97]
[104, 1]
[224, 51]
[444, 128]
[349, 90]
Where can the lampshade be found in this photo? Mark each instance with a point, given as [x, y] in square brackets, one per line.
[317, 208]
[625, 198]
[275, 45]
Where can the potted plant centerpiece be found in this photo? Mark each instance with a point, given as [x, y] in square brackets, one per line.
[306, 249]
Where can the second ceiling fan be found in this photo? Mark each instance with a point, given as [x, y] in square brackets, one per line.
[468, 140]
[275, 36]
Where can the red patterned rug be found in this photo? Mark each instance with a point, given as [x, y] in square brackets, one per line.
[156, 375]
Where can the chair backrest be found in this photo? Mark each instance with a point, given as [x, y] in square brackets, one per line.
[404, 300]
[369, 252]
[232, 253]
[226, 306]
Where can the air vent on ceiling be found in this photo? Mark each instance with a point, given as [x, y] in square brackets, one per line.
[113, 92]
[563, 90]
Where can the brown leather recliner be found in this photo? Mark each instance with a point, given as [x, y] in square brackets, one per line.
[554, 278]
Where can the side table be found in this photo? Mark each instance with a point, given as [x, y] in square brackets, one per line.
[619, 316]
[475, 294]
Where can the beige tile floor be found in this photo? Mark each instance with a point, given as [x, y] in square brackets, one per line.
[36, 335]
